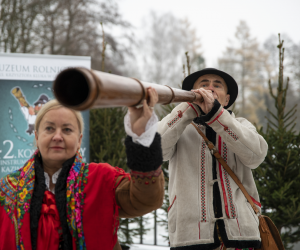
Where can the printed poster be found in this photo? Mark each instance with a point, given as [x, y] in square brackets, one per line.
[25, 86]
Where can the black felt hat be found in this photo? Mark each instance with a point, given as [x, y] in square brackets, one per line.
[232, 86]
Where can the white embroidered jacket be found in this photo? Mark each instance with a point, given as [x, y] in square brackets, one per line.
[191, 213]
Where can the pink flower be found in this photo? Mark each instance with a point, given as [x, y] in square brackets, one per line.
[26, 207]
[77, 196]
[77, 211]
[71, 176]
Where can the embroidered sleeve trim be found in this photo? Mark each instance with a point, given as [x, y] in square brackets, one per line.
[172, 204]
[145, 177]
[215, 109]
[216, 117]
[177, 117]
[173, 121]
[191, 105]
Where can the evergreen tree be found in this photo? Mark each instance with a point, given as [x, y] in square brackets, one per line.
[107, 136]
[291, 69]
[278, 177]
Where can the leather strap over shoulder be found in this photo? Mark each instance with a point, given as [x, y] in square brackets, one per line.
[215, 152]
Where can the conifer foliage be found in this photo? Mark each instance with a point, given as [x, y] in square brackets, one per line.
[278, 177]
[107, 136]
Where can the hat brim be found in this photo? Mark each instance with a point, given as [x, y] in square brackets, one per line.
[37, 103]
[232, 86]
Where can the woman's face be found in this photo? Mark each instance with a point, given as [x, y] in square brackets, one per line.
[58, 137]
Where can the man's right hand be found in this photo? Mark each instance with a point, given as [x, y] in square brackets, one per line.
[208, 99]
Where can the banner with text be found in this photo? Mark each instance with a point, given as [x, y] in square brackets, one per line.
[25, 86]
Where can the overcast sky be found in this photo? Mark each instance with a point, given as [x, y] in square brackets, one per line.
[216, 20]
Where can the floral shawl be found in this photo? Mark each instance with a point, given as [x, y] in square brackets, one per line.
[16, 191]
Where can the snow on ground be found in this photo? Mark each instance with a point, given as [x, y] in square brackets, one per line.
[147, 247]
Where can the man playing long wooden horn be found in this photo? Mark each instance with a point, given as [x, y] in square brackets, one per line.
[207, 209]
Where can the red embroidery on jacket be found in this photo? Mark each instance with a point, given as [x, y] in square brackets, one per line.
[122, 173]
[232, 134]
[191, 105]
[177, 117]
[256, 202]
[238, 226]
[172, 204]
[222, 125]
[228, 130]
[198, 125]
[202, 183]
[221, 179]
[216, 117]
[229, 191]
[145, 176]
[172, 122]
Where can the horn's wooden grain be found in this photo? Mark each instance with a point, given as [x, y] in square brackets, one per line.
[81, 89]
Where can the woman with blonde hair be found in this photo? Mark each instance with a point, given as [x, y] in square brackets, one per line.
[56, 201]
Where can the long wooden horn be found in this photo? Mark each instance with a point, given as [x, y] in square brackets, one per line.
[81, 89]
